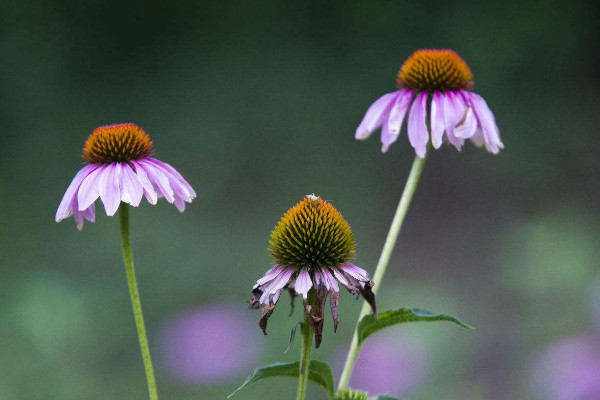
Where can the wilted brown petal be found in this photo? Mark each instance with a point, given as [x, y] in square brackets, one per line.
[333, 302]
[267, 310]
[369, 296]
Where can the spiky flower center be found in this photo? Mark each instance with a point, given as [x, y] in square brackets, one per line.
[117, 143]
[434, 70]
[312, 234]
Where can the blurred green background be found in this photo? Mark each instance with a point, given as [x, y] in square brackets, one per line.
[256, 104]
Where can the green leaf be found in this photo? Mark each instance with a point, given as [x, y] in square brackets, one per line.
[318, 372]
[292, 335]
[368, 325]
[385, 397]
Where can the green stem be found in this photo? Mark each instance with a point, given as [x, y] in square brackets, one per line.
[135, 300]
[384, 259]
[307, 336]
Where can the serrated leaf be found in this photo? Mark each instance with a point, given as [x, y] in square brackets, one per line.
[292, 336]
[368, 325]
[384, 397]
[318, 372]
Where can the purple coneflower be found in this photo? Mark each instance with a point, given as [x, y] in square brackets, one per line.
[312, 245]
[436, 83]
[119, 169]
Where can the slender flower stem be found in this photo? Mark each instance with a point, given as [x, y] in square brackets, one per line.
[307, 336]
[386, 253]
[135, 300]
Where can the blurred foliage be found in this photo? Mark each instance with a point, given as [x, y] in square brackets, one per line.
[256, 103]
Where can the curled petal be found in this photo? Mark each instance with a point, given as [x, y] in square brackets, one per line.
[466, 129]
[315, 314]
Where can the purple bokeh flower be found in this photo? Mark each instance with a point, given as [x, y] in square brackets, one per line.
[388, 364]
[435, 83]
[311, 245]
[208, 345]
[569, 369]
[119, 169]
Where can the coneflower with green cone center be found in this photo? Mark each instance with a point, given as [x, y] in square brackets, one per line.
[311, 246]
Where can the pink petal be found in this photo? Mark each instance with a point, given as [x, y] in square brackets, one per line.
[468, 127]
[149, 191]
[486, 120]
[276, 284]
[397, 113]
[158, 179]
[454, 111]
[173, 171]
[179, 204]
[332, 282]
[375, 115]
[131, 187]
[417, 125]
[269, 275]
[303, 283]
[437, 120]
[89, 190]
[108, 185]
[477, 138]
[340, 277]
[180, 190]
[355, 272]
[68, 203]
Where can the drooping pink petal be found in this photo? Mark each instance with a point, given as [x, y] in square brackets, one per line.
[176, 174]
[466, 129]
[181, 192]
[332, 282]
[131, 187]
[485, 118]
[438, 124]
[179, 204]
[303, 283]
[276, 284]
[340, 277]
[68, 203]
[90, 213]
[269, 275]
[454, 111]
[78, 217]
[417, 125]
[158, 179]
[397, 114]
[477, 138]
[89, 191]
[376, 115]
[149, 191]
[355, 272]
[110, 192]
